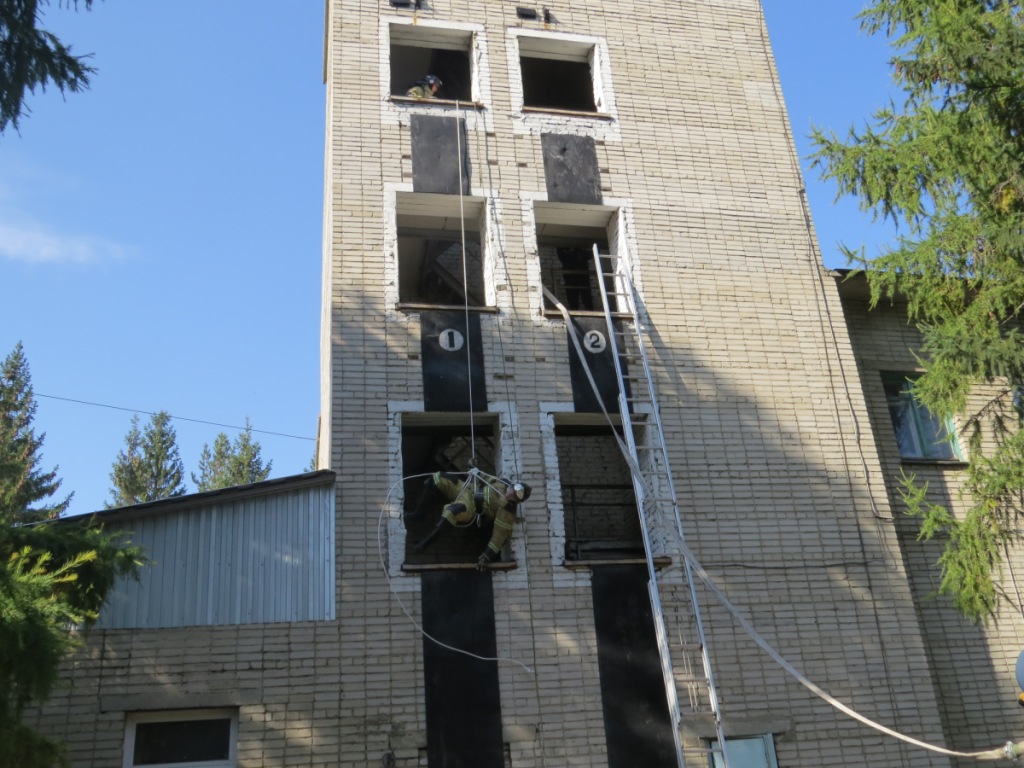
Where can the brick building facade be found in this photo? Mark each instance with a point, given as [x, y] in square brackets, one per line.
[657, 131]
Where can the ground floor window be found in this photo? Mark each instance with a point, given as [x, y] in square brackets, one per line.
[601, 521]
[449, 443]
[749, 752]
[919, 433]
[198, 738]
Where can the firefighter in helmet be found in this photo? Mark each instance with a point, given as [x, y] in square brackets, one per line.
[426, 88]
[468, 496]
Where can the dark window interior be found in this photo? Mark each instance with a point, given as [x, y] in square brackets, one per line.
[442, 448]
[182, 741]
[430, 266]
[409, 64]
[567, 268]
[601, 521]
[557, 84]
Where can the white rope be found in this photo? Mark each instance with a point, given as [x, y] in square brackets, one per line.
[405, 610]
[465, 286]
[1010, 750]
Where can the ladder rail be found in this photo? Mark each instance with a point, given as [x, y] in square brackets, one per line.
[625, 290]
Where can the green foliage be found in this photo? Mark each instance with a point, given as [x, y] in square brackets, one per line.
[149, 467]
[945, 165]
[22, 482]
[32, 58]
[54, 578]
[230, 464]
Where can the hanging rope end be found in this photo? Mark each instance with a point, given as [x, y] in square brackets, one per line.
[1014, 750]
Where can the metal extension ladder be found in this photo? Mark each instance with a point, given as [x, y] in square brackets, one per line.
[658, 505]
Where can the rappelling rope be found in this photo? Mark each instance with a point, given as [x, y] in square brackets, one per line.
[394, 592]
[465, 286]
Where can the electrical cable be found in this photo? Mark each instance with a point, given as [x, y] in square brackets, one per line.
[179, 418]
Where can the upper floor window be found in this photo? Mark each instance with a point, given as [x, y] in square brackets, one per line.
[419, 50]
[919, 433]
[566, 236]
[563, 73]
[440, 250]
[198, 738]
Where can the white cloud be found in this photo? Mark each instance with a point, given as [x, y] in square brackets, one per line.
[33, 244]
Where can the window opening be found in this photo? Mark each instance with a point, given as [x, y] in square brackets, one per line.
[435, 443]
[194, 738]
[430, 253]
[752, 752]
[601, 520]
[566, 236]
[417, 51]
[919, 433]
[557, 74]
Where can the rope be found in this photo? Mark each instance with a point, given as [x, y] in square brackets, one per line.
[465, 286]
[405, 610]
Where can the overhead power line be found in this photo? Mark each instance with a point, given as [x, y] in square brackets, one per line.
[179, 418]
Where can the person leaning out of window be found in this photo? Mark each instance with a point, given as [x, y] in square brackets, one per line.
[426, 88]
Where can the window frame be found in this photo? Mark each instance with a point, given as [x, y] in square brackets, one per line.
[767, 743]
[434, 36]
[924, 427]
[543, 45]
[431, 210]
[571, 221]
[133, 719]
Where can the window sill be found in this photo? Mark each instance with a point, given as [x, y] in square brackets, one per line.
[411, 306]
[944, 463]
[446, 103]
[423, 567]
[566, 112]
[578, 565]
[554, 314]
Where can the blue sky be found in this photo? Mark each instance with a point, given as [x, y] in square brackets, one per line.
[160, 233]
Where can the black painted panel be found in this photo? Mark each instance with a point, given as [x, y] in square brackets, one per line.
[463, 701]
[436, 148]
[447, 373]
[592, 333]
[570, 168]
[637, 725]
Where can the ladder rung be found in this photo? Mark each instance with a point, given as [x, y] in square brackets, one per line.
[691, 679]
[703, 750]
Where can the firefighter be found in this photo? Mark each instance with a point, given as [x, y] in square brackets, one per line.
[426, 88]
[497, 502]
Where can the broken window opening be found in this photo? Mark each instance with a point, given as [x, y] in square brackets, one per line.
[558, 74]
[566, 237]
[552, 84]
[601, 520]
[433, 268]
[435, 443]
[418, 51]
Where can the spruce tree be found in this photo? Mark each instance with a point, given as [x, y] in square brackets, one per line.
[229, 464]
[33, 58]
[54, 578]
[24, 486]
[946, 164]
[149, 467]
